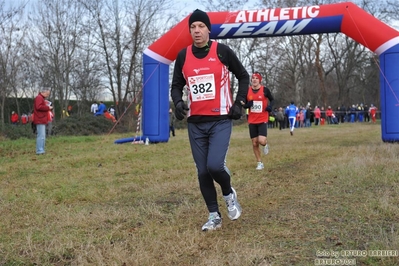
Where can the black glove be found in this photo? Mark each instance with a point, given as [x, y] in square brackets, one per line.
[248, 104]
[181, 110]
[235, 111]
[268, 109]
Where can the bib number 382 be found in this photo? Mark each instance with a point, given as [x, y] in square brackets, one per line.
[202, 87]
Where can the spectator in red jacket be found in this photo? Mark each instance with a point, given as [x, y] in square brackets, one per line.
[40, 118]
[24, 119]
[329, 113]
[14, 118]
[317, 116]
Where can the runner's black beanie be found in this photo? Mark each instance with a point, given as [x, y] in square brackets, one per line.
[199, 15]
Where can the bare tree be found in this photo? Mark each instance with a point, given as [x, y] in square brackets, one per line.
[337, 61]
[87, 75]
[11, 37]
[293, 68]
[78, 58]
[125, 29]
[55, 36]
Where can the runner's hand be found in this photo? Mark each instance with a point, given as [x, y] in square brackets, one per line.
[181, 110]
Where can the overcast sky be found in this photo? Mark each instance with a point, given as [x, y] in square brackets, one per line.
[182, 7]
[187, 6]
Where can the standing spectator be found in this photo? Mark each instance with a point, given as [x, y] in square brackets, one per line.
[40, 119]
[304, 111]
[366, 113]
[348, 114]
[342, 114]
[207, 63]
[24, 119]
[30, 117]
[172, 119]
[64, 113]
[302, 117]
[334, 119]
[94, 107]
[32, 123]
[274, 114]
[360, 111]
[272, 120]
[322, 116]
[317, 115]
[308, 115]
[291, 112]
[298, 116]
[69, 110]
[14, 118]
[352, 112]
[373, 112]
[101, 109]
[329, 113]
[311, 111]
[280, 118]
[338, 113]
[286, 121]
[259, 103]
[112, 111]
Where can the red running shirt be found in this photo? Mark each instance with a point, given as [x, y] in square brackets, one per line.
[257, 113]
[208, 82]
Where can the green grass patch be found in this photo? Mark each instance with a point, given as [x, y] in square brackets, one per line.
[89, 201]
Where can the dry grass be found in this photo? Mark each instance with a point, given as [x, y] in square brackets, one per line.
[91, 202]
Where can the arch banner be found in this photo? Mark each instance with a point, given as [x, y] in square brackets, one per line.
[345, 17]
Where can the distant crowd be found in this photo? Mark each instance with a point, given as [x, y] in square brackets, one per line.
[28, 118]
[101, 109]
[308, 116]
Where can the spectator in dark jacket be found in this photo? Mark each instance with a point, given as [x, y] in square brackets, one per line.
[366, 113]
[342, 114]
[352, 112]
[280, 118]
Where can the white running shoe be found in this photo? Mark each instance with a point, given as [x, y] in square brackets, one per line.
[260, 166]
[214, 222]
[233, 207]
[266, 149]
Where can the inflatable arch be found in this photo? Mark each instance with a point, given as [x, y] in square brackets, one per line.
[346, 17]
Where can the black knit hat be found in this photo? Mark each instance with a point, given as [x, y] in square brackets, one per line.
[199, 15]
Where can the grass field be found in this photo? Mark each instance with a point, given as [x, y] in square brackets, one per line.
[324, 192]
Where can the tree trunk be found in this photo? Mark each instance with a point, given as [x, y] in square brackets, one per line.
[320, 71]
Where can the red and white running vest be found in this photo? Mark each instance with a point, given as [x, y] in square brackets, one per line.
[208, 82]
[257, 113]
